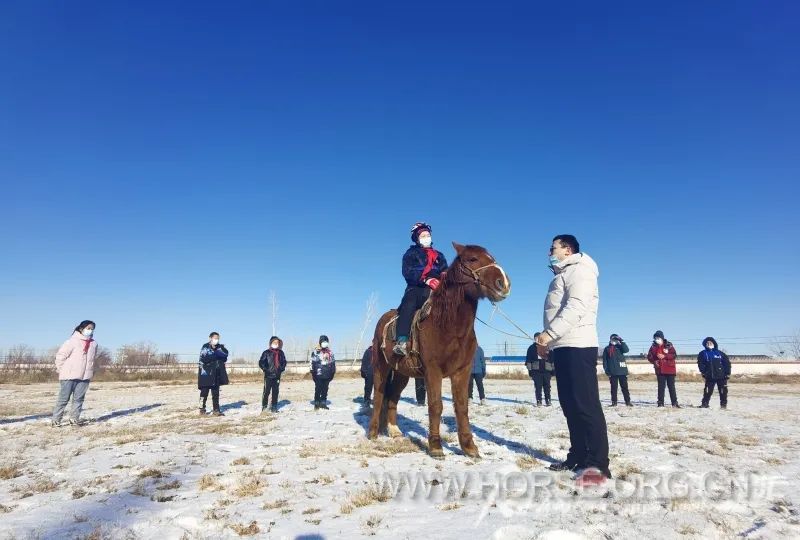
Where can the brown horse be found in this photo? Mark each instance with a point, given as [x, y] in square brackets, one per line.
[446, 343]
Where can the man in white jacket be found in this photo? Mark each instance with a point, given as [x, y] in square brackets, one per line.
[570, 333]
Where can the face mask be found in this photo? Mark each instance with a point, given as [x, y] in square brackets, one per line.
[709, 346]
[88, 332]
[274, 345]
[425, 241]
[659, 341]
[324, 344]
[554, 260]
[214, 341]
[614, 342]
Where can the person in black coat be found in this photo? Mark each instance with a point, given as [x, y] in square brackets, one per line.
[323, 368]
[715, 367]
[541, 371]
[367, 375]
[272, 363]
[211, 373]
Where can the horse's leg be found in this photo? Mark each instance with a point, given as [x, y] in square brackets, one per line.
[379, 381]
[399, 382]
[433, 385]
[458, 386]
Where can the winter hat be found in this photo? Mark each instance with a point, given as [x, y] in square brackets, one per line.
[323, 338]
[276, 338]
[712, 340]
[658, 334]
[613, 336]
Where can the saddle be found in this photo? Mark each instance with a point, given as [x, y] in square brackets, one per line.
[412, 361]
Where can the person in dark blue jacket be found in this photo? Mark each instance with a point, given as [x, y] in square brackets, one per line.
[422, 268]
[211, 373]
[367, 374]
[272, 363]
[715, 367]
[323, 368]
[478, 373]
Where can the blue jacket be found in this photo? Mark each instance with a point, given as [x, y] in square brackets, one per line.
[323, 364]
[211, 368]
[414, 262]
[713, 364]
[479, 363]
[366, 364]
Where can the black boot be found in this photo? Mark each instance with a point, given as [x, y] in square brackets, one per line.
[564, 466]
[538, 402]
[547, 402]
[629, 404]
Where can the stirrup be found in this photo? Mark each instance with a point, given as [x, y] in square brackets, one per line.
[401, 348]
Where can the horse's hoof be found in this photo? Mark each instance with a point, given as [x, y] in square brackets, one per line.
[437, 453]
[372, 436]
[474, 454]
[394, 431]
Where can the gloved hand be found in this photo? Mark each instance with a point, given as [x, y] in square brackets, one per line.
[433, 283]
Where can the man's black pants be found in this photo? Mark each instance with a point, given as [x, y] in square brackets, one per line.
[576, 380]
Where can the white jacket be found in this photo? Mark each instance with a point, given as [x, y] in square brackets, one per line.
[570, 308]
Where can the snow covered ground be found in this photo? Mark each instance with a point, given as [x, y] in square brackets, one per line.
[150, 467]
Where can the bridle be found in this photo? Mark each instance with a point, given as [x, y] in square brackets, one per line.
[476, 273]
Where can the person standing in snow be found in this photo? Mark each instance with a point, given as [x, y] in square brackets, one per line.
[477, 375]
[75, 364]
[367, 375]
[273, 364]
[211, 373]
[715, 367]
[323, 368]
[540, 370]
[616, 369]
[662, 355]
[570, 334]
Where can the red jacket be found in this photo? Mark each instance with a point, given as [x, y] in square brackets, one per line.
[666, 365]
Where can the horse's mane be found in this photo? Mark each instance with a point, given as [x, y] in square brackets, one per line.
[446, 300]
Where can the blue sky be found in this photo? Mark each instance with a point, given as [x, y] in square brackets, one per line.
[169, 164]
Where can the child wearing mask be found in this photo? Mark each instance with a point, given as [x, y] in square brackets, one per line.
[75, 364]
[662, 355]
[211, 373]
[272, 363]
[422, 268]
[323, 368]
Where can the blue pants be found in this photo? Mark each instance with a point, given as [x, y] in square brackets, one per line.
[75, 388]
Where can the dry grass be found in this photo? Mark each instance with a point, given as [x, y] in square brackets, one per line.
[151, 473]
[241, 461]
[245, 530]
[309, 511]
[10, 471]
[175, 484]
[208, 482]
[44, 485]
[275, 505]
[522, 410]
[6, 509]
[449, 506]
[625, 471]
[527, 462]
[370, 495]
[250, 485]
[78, 493]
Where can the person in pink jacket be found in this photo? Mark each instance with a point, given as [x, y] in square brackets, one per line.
[75, 364]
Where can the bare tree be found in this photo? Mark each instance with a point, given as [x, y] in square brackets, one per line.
[369, 313]
[787, 347]
[21, 354]
[138, 354]
[103, 358]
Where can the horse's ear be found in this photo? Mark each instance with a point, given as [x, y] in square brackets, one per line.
[458, 247]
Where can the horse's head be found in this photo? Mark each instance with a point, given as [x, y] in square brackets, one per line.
[478, 271]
